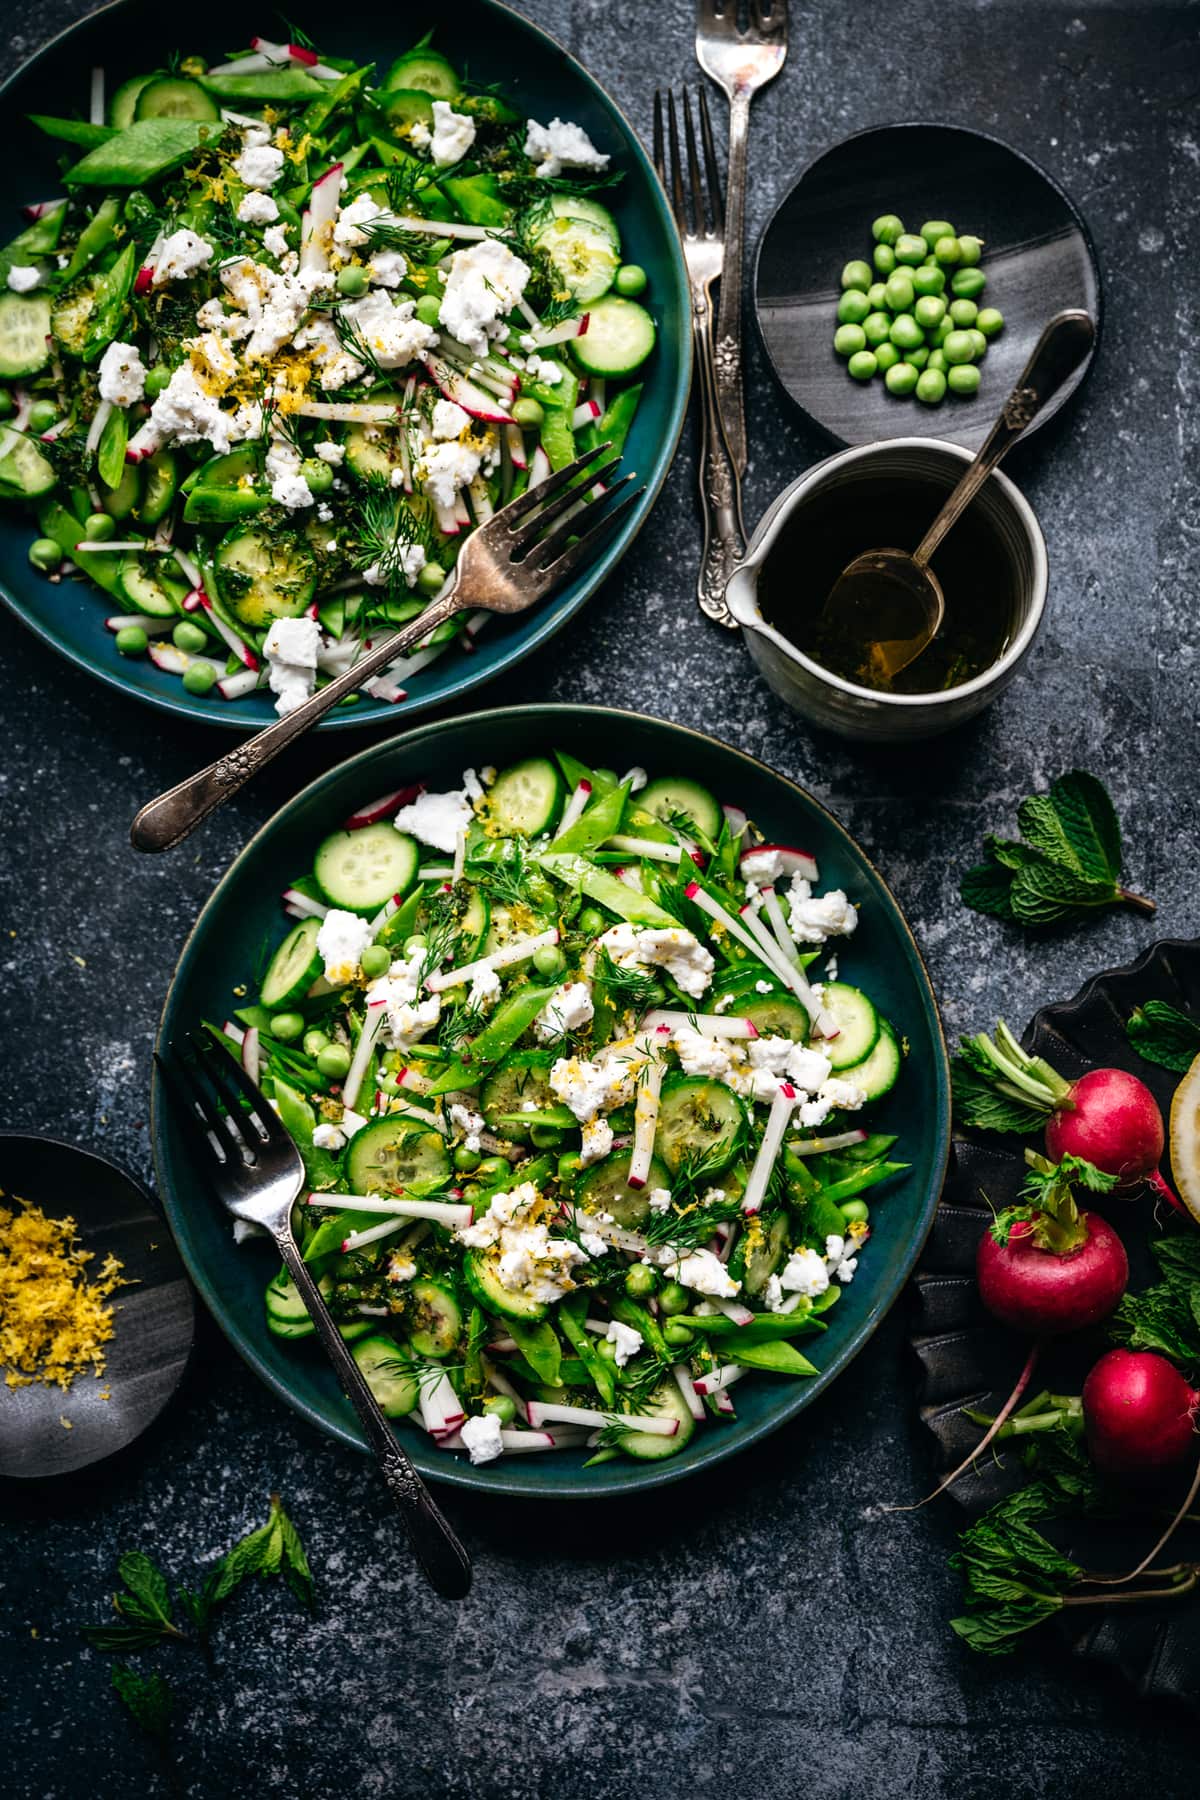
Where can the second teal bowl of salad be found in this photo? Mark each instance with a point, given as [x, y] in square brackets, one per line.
[498, 52]
[242, 924]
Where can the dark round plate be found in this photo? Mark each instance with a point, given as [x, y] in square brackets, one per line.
[155, 1314]
[1038, 259]
[968, 1360]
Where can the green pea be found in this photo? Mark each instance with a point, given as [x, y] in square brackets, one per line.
[887, 228]
[958, 347]
[414, 945]
[678, 1336]
[853, 307]
[591, 922]
[630, 280]
[493, 1167]
[376, 960]
[569, 1165]
[502, 1407]
[158, 380]
[317, 474]
[942, 332]
[877, 295]
[549, 960]
[910, 249]
[8, 405]
[640, 1281]
[901, 378]
[334, 1061]
[905, 333]
[900, 291]
[189, 637]
[287, 1025]
[948, 252]
[199, 677]
[937, 360]
[42, 415]
[546, 1137]
[884, 258]
[606, 1351]
[99, 525]
[968, 284]
[989, 321]
[673, 1299]
[470, 1191]
[931, 387]
[132, 641]
[933, 229]
[964, 313]
[930, 310]
[431, 578]
[352, 281]
[917, 358]
[886, 357]
[427, 309]
[876, 326]
[964, 379]
[849, 338]
[855, 1212]
[979, 343]
[45, 555]
[929, 279]
[970, 250]
[466, 1161]
[528, 411]
[857, 275]
[315, 1041]
[862, 365]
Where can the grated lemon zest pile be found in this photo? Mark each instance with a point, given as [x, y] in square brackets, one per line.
[53, 1321]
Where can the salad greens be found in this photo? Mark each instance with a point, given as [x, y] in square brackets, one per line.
[581, 1134]
[1164, 1035]
[291, 329]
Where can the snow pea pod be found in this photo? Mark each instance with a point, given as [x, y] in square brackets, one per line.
[319, 111]
[97, 235]
[601, 821]
[606, 890]
[780, 1358]
[300, 1122]
[512, 1017]
[113, 289]
[572, 1313]
[267, 84]
[539, 1345]
[73, 131]
[148, 149]
[110, 457]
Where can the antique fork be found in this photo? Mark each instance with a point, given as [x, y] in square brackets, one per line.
[740, 60]
[505, 567]
[258, 1173]
[701, 232]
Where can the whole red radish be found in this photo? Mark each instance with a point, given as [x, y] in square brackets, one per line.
[1139, 1415]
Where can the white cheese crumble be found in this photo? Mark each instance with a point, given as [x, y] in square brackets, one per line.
[561, 145]
[660, 1200]
[545, 370]
[328, 1137]
[839, 1259]
[589, 1088]
[596, 1140]
[625, 1339]
[485, 282]
[182, 256]
[330, 452]
[672, 948]
[452, 135]
[764, 867]
[436, 819]
[485, 989]
[122, 377]
[449, 420]
[468, 1122]
[23, 278]
[257, 209]
[565, 1011]
[812, 920]
[447, 468]
[288, 486]
[481, 1435]
[804, 1273]
[340, 943]
[393, 334]
[185, 414]
[387, 268]
[705, 1273]
[259, 166]
[275, 241]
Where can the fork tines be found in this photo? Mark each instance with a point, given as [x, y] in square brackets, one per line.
[585, 510]
[212, 1092]
[699, 212]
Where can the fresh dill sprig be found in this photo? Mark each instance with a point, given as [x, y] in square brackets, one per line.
[382, 528]
[631, 988]
[458, 1024]
[692, 1223]
[386, 233]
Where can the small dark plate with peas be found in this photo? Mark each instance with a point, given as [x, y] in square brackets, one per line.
[903, 281]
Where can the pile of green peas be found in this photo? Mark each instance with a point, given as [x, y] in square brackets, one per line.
[914, 316]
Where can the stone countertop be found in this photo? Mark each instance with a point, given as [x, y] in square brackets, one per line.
[767, 1625]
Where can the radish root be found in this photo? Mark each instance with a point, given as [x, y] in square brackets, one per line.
[1168, 1534]
[1023, 1381]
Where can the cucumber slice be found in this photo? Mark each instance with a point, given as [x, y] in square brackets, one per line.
[406, 107]
[578, 206]
[170, 97]
[676, 797]
[698, 1119]
[372, 451]
[426, 70]
[619, 337]
[393, 1153]
[878, 1072]
[857, 1023]
[24, 334]
[522, 1076]
[777, 1015]
[124, 101]
[25, 474]
[294, 966]
[389, 1374]
[261, 578]
[142, 589]
[121, 500]
[526, 799]
[282, 1298]
[759, 1251]
[162, 479]
[585, 258]
[481, 1272]
[473, 927]
[606, 1189]
[509, 922]
[435, 1323]
[362, 870]
[666, 1402]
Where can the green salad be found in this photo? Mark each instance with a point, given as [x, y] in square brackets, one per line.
[583, 1127]
[290, 331]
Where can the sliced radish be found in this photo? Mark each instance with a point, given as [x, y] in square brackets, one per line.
[719, 1379]
[173, 661]
[376, 1014]
[239, 646]
[441, 1212]
[152, 627]
[683, 1381]
[645, 1115]
[522, 1443]
[455, 386]
[514, 437]
[316, 230]
[234, 1031]
[520, 950]
[713, 1025]
[575, 807]
[385, 806]
[539, 468]
[349, 412]
[841, 1140]
[548, 335]
[303, 904]
[734, 1310]
[646, 847]
[251, 1060]
[777, 1123]
[549, 1412]
[778, 924]
[794, 861]
[235, 687]
[584, 413]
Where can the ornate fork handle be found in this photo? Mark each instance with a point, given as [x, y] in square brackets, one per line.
[727, 360]
[720, 489]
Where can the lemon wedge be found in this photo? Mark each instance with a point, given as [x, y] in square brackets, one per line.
[1185, 1139]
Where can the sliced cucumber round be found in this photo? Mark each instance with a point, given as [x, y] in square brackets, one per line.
[481, 1272]
[121, 500]
[578, 206]
[389, 1374]
[674, 798]
[161, 481]
[406, 107]
[434, 1320]
[123, 103]
[606, 1188]
[526, 798]
[172, 97]
[142, 588]
[24, 334]
[583, 255]
[878, 1072]
[777, 1015]
[510, 922]
[394, 1153]
[25, 473]
[372, 451]
[262, 577]
[362, 870]
[473, 926]
[698, 1121]
[523, 1076]
[424, 69]
[666, 1402]
[759, 1251]
[857, 1023]
[294, 967]
[619, 337]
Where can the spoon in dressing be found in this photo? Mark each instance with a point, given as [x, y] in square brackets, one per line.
[890, 601]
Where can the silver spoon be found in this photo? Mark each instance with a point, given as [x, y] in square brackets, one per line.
[897, 592]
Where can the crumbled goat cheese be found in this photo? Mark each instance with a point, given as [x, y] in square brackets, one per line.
[185, 414]
[485, 990]
[288, 486]
[294, 641]
[589, 1088]
[400, 1267]
[672, 948]
[483, 285]
[840, 1263]
[328, 1137]
[257, 209]
[330, 452]
[530, 1259]
[469, 1123]
[275, 241]
[122, 377]
[545, 370]
[446, 468]
[705, 1273]
[409, 1018]
[700, 1055]
[843, 1095]
[393, 334]
[346, 233]
[449, 420]
[481, 1435]
[452, 136]
[660, 1200]
[596, 1141]
[764, 867]
[763, 987]
[812, 920]
[23, 278]
[561, 145]
[259, 166]
[625, 1340]
[472, 786]
[387, 268]
[436, 819]
[340, 943]
[804, 1273]
[565, 1011]
[182, 256]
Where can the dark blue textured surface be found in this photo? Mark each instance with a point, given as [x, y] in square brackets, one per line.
[767, 1629]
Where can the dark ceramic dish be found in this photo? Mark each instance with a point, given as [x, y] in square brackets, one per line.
[968, 1360]
[1038, 258]
[154, 1315]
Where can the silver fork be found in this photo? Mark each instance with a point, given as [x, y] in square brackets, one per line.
[505, 567]
[702, 233]
[258, 1173]
[740, 60]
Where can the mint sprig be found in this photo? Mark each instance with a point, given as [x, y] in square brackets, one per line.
[1164, 1035]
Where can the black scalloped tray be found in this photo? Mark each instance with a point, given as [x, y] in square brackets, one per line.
[968, 1360]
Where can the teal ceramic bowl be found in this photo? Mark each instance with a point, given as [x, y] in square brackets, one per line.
[244, 915]
[498, 46]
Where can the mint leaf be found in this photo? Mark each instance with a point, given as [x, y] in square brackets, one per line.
[1090, 822]
[1164, 1035]
[148, 1698]
[1041, 826]
[977, 1104]
[147, 1600]
[296, 1571]
[1010, 853]
[1042, 894]
[987, 888]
